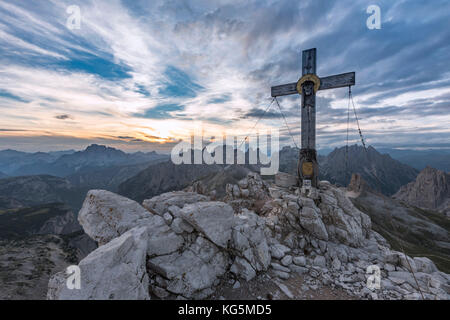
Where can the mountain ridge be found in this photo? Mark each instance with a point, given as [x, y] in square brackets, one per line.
[430, 190]
[380, 171]
[64, 163]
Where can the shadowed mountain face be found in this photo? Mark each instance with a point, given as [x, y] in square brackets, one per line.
[381, 172]
[419, 232]
[35, 190]
[54, 218]
[108, 178]
[164, 177]
[430, 190]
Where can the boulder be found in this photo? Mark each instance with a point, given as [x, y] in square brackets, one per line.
[424, 265]
[161, 238]
[106, 215]
[319, 261]
[162, 202]
[168, 218]
[286, 261]
[180, 226]
[214, 219]
[242, 269]
[279, 267]
[344, 222]
[281, 274]
[278, 251]
[297, 269]
[114, 271]
[311, 221]
[257, 188]
[300, 261]
[249, 240]
[193, 272]
[285, 180]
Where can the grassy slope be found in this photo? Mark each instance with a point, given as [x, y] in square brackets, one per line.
[19, 223]
[411, 228]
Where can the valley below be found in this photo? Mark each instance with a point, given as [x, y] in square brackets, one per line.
[40, 231]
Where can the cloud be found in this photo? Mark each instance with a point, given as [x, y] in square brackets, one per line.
[261, 114]
[162, 111]
[157, 67]
[63, 116]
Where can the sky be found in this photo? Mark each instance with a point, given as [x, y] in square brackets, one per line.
[142, 75]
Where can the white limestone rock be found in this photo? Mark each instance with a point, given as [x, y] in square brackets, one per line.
[300, 261]
[285, 180]
[257, 188]
[236, 191]
[180, 226]
[193, 272]
[278, 251]
[214, 219]
[281, 274]
[114, 271]
[297, 269]
[242, 269]
[319, 261]
[310, 220]
[279, 267]
[159, 204]
[424, 264]
[249, 239]
[286, 261]
[167, 218]
[106, 215]
[161, 238]
[344, 222]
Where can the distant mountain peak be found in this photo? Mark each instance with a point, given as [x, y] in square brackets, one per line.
[101, 148]
[380, 171]
[430, 190]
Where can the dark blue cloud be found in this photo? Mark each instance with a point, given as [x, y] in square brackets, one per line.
[161, 111]
[178, 84]
[219, 99]
[8, 95]
[92, 64]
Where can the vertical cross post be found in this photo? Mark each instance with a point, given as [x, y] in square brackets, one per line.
[308, 168]
[307, 86]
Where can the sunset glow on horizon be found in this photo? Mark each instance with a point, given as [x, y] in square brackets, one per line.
[142, 75]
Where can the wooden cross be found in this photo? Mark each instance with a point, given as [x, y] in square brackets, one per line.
[307, 86]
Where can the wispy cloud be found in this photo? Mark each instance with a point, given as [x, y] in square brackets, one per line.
[149, 70]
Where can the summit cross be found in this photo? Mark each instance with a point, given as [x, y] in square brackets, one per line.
[307, 86]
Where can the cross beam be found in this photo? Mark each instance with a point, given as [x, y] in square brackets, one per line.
[308, 169]
[331, 82]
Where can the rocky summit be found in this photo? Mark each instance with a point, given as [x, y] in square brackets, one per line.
[182, 245]
[430, 190]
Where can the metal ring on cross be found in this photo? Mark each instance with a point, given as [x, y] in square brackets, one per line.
[308, 77]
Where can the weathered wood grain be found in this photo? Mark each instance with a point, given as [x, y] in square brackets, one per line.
[308, 110]
[309, 61]
[337, 81]
[284, 89]
[331, 82]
